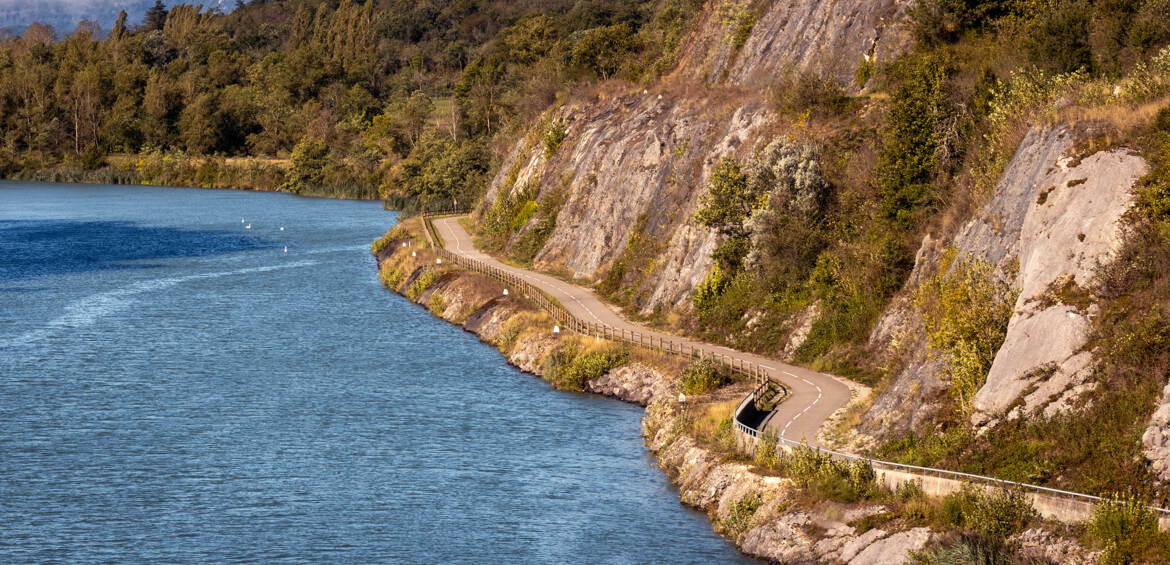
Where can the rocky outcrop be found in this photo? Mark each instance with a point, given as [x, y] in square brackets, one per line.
[829, 38]
[1156, 438]
[635, 383]
[633, 165]
[1071, 226]
[773, 531]
[1048, 547]
[1052, 220]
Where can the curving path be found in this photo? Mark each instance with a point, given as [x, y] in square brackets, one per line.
[813, 396]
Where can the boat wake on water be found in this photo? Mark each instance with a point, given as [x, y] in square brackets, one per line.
[86, 311]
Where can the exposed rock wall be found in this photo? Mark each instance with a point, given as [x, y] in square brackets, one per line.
[634, 164]
[1053, 218]
[773, 531]
[830, 38]
[637, 163]
[1156, 438]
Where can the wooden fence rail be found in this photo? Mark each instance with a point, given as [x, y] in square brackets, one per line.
[567, 321]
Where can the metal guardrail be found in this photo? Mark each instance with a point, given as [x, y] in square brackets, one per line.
[751, 370]
[568, 321]
[881, 465]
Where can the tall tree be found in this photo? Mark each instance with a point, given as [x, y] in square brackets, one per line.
[156, 17]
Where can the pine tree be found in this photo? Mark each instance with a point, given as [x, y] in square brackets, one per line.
[156, 17]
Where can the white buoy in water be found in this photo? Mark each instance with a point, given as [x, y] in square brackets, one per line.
[281, 228]
[286, 249]
[241, 220]
[248, 227]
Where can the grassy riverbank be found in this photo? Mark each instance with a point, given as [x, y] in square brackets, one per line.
[180, 169]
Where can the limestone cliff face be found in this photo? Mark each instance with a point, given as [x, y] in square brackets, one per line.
[637, 163]
[1052, 220]
[829, 38]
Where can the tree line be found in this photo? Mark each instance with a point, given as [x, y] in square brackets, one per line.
[379, 97]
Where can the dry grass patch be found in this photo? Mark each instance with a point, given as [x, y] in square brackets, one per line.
[710, 424]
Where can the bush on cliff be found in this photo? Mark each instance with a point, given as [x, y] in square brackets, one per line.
[908, 160]
[422, 283]
[997, 514]
[390, 276]
[1128, 531]
[966, 312]
[739, 518]
[701, 377]
[569, 368]
[843, 481]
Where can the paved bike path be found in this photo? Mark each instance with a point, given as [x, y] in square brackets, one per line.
[813, 396]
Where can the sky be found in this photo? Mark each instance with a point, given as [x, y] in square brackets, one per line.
[64, 15]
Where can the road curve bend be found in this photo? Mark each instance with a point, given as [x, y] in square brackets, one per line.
[813, 397]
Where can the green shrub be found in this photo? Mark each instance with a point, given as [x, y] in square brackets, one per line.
[969, 549]
[553, 137]
[738, 21]
[423, 282]
[390, 276]
[864, 72]
[524, 214]
[1128, 530]
[602, 51]
[509, 213]
[306, 170]
[998, 514]
[907, 162]
[966, 312]
[1059, 40]
[739, 517]
[728, 203]
[843, 481]
[507, 337]
[725, 434]
[768, 452]
[701, 377]
[437, 305]
[709, 291]
[566, 369]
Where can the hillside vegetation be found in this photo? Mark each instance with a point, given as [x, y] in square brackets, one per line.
[830, 219]
[399, 99]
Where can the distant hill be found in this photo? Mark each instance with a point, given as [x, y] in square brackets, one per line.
[64, 15]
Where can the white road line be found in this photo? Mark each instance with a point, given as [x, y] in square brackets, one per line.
[820, 393]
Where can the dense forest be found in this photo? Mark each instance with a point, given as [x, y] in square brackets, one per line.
[393, 98]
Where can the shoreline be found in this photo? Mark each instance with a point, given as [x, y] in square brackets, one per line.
[115, 182]
[766, 514]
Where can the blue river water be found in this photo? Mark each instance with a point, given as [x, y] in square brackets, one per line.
[177, 387]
